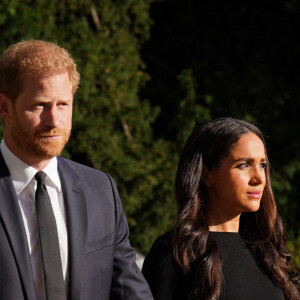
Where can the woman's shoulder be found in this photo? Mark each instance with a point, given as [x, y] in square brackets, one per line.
[161, 250]
[160, 256]
[164, 241]
[162, 272]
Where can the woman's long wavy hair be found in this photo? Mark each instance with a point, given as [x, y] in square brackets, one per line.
[194, 248]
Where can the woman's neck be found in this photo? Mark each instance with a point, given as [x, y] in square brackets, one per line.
[221, 223]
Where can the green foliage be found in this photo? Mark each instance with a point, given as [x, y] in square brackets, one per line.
[214, 59]
[294, 247]
[149, 73]
[111, 125]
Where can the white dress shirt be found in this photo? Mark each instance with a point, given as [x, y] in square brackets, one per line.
[25, 185]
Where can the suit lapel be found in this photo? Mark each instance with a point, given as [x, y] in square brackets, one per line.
[76, 223]
[11, 217]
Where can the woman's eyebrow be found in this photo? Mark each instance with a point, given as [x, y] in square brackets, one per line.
[248, 159]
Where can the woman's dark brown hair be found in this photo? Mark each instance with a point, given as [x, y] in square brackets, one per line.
[194, 248]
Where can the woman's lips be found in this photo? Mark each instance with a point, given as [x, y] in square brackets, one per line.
[255, 194]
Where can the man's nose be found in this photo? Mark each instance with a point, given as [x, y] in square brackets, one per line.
[51, 117]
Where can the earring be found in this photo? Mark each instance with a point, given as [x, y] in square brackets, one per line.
[208, 184]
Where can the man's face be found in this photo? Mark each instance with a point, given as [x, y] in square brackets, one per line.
[39, 121]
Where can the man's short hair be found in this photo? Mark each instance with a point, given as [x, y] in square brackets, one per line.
[34, 58]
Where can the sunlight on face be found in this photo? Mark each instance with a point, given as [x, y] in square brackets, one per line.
[41, 118]
[238, 183]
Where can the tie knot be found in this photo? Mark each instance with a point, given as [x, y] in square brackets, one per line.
[40, 178]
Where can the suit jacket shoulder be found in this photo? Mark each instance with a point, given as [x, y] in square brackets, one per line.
[90, 180]
[80, 170]
[102, 261]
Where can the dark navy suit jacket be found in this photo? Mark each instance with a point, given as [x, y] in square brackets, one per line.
[101, 260]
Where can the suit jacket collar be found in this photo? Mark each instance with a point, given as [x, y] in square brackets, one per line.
[11, 217]
[76, 223]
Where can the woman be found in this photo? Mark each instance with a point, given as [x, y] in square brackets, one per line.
[228, 240]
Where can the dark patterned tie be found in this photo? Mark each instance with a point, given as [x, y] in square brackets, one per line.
[54, 281]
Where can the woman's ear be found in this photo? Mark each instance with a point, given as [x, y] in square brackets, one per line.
[207, 176]
[4, 106]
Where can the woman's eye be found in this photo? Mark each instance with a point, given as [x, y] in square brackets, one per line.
[243, 166]
[263, 165]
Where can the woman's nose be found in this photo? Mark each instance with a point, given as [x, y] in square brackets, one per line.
[258, 175]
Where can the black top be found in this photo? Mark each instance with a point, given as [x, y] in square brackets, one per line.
[243, 278]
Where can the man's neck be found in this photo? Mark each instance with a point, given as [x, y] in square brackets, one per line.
[39, 164]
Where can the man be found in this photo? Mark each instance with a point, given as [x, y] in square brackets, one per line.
[63, 232]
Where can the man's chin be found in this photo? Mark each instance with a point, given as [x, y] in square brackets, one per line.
[48, 150]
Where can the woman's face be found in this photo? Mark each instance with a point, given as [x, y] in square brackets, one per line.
[237, 184]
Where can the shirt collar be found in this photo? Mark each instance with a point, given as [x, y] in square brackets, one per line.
[22, 173]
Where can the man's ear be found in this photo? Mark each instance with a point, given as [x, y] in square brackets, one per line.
[4, 106]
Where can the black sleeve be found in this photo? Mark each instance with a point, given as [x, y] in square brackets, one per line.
[162, 272]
